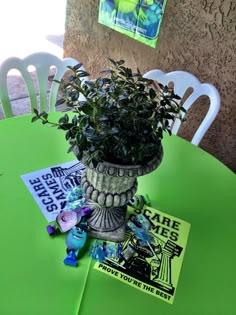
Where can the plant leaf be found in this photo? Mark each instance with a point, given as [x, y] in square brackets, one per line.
[34, 118]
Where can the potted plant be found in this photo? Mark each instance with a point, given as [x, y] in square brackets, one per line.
[116, 132]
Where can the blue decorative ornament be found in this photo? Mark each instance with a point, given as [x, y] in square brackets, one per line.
[140, 227]
[99, 251]
[142, 221]
[75, 198]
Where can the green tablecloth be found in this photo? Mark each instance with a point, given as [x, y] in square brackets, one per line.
[190, 184]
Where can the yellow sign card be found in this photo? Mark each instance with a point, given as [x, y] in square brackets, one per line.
[152, 265]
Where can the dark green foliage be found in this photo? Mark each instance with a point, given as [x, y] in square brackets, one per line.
[122, 119]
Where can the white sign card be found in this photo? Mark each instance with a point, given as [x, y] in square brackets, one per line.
[50, 185]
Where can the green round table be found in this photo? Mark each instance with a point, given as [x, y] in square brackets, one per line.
[189, 184]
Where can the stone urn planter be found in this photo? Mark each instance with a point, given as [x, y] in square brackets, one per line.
[122, 118]
[109, 187]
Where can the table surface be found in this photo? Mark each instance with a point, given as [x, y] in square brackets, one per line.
[189, 184]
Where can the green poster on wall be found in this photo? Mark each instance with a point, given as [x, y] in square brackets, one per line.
[139, 19]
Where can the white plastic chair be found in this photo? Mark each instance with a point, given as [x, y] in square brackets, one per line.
[42, 62]
[182, 81]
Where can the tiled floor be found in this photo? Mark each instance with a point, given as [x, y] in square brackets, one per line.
[28, 26]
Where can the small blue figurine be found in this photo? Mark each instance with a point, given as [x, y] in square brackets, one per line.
[139, 201]
[75, 240]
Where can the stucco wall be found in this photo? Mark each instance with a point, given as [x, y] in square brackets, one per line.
[195, 36]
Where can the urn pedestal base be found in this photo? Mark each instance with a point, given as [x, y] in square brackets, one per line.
[107, 223]
[117, 235]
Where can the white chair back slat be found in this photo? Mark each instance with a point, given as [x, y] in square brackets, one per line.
[42, 62]
[182, 82]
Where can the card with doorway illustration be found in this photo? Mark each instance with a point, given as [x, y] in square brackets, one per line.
[152, 253]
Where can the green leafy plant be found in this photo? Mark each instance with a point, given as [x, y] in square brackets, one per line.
[122, 118]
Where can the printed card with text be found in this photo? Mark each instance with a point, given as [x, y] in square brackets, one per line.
[152, 265]
[49, 186]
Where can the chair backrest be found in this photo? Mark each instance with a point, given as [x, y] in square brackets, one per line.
[182, 81]
[42, 62]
